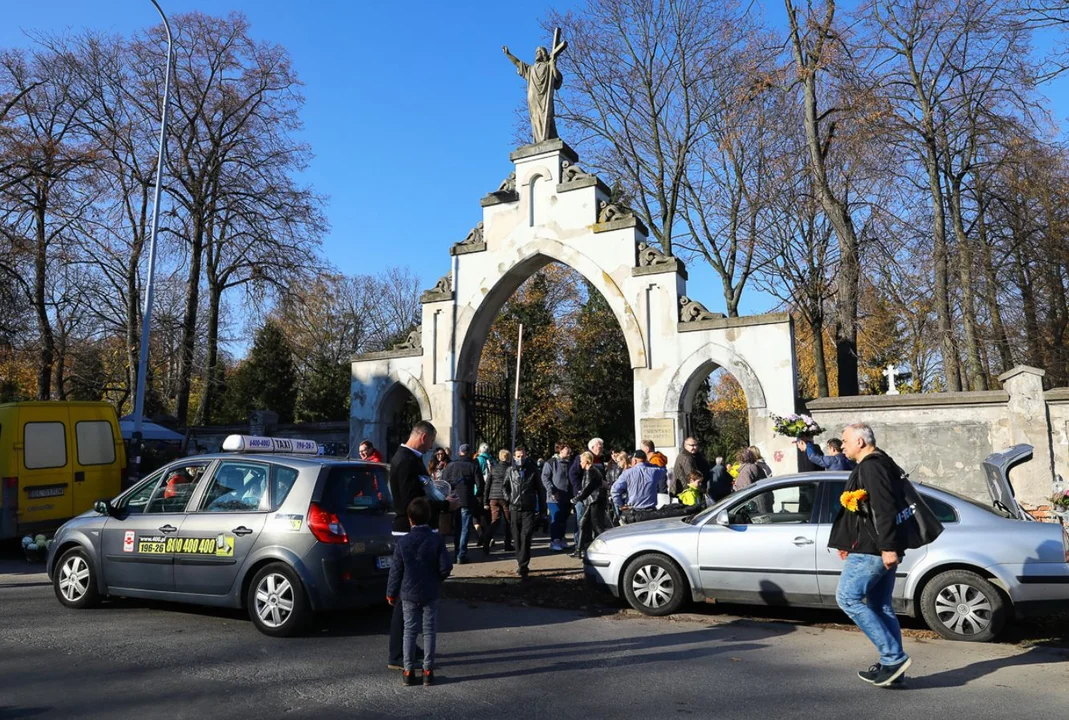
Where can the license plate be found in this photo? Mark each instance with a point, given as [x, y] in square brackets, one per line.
[382, 562]
[46, 492]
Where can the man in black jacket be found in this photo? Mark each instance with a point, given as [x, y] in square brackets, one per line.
[523, 488]
[409, 480]
[872, 545]
[690, 459]
[466, 479]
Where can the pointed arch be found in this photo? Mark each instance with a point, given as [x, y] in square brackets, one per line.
[697, 366]
[474, 326]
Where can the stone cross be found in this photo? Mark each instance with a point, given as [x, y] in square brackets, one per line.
[890, 373]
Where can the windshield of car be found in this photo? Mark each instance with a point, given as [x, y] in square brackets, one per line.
[357, 488]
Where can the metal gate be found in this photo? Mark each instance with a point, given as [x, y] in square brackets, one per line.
[489, 415]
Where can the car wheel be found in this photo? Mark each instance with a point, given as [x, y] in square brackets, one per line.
[653, 585]
[277, 602]
[961, 605]
[74, 581]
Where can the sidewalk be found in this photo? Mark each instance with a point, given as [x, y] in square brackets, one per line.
[16, 572]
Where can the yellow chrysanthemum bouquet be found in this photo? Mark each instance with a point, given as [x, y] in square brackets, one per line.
[853, 499]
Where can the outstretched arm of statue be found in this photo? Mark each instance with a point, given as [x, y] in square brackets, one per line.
[515, 60]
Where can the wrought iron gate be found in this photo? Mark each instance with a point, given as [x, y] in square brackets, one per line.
[489, 415]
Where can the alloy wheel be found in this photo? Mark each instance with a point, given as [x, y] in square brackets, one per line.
[653, 586]
[963, 609]
[274, 600]
[74, 578]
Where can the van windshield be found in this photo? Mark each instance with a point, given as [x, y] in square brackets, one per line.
[357, 488]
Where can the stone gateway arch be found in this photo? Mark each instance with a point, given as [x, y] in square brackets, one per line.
[550, 210]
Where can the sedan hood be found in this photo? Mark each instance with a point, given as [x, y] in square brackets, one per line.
[642, 528]
[997, 468]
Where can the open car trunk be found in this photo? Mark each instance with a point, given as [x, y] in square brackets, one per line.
[997, 468]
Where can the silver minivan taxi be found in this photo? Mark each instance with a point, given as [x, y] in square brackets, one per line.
[768, 545]
[268, 526]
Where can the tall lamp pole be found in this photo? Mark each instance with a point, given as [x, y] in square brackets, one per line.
[146, 315]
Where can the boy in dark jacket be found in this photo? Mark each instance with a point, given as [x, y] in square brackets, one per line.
[420, 564]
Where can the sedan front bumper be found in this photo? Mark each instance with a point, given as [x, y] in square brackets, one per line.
[600, 572]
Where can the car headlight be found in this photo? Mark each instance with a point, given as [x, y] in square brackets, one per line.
[598, 546]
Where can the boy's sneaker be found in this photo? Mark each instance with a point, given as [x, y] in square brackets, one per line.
[555, 546]
[885, 675]
[408, 678]
[428, 677]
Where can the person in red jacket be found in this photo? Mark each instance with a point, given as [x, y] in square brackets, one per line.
[369, 453]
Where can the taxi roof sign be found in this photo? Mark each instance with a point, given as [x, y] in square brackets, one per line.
[258, 444]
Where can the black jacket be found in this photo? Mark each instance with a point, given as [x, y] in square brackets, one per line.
[686, 462]
[873, 529]
[719, 482]
[408, 480]
[420, 564]
[466, 479]
[593, 486]
[495, 482]
[523, 486]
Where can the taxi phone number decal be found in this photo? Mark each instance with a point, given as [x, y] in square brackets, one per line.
[218, 546]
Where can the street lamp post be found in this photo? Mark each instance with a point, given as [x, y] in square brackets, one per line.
[146, 315]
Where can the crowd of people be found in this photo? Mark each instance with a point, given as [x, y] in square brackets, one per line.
[480, 495]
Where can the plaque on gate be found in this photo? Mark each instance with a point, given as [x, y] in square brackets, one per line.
[662, 431]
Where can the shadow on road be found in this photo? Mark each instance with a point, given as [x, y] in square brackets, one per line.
[12, 713]
[959, 677]
[626, 652]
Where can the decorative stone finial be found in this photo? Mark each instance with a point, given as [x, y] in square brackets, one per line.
[475, 236]
[414, 341]
[608, 212]
[508, 185]
[649, 256]
[573, 173]
[693, 311]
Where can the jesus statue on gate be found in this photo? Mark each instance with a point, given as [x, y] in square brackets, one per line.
[542, 78]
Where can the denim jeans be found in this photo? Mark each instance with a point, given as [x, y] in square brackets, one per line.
[579, 507]
[865, 578]
[558, 515]
[417, 614]
[463, 520]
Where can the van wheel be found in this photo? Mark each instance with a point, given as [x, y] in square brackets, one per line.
[277, 603]
[961, 605]
[653, 585]
[74, 581]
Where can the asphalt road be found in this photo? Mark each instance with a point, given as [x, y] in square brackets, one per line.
[144, 660]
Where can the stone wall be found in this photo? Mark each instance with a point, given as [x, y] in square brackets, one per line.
[942, 439]
[334, 435]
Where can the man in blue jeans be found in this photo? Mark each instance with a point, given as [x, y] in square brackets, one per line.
[558, 494]
[872, 546]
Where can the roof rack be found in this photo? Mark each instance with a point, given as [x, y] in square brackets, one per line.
[258, 444]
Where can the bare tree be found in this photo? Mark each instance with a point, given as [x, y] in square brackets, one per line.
[814, 40]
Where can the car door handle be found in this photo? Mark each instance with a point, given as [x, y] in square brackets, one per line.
[800, 541]
[241, 531]
[168, 529]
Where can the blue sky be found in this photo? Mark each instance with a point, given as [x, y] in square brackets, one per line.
[409, 111]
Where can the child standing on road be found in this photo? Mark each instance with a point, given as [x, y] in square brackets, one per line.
[420, 564]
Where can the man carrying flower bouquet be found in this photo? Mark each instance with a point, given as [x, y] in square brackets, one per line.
[872, 545]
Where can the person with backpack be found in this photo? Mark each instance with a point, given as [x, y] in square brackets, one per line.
[872, 532]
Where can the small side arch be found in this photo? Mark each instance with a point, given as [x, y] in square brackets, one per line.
[697, 366]
[395, 378]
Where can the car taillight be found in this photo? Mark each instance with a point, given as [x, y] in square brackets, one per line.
[9, 496]
[11, 483]
[325, 526]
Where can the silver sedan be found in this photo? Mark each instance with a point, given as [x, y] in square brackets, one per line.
[768, 545]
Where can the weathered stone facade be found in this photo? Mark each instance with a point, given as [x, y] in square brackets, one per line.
[547, 211]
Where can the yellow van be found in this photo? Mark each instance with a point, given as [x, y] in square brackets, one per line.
[56, 460]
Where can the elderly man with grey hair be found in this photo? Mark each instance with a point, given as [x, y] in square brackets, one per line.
[872, 545]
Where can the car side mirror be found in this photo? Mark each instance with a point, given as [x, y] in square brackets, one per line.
[722, 518]
[103, 507]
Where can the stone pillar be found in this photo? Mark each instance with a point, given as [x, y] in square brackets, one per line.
[1027, 422]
